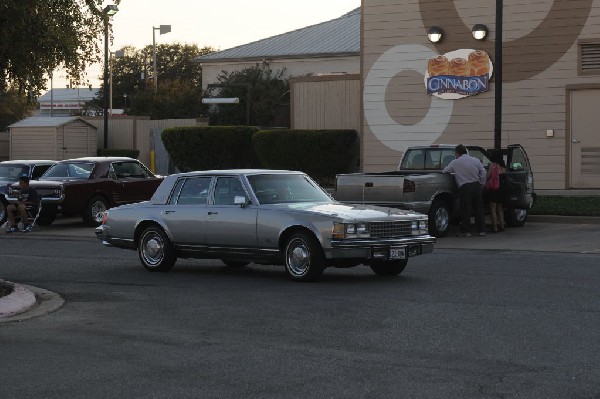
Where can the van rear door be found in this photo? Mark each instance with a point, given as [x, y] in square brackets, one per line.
[519, 178]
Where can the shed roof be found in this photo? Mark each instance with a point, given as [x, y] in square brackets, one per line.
[340, 36]
[48, 121]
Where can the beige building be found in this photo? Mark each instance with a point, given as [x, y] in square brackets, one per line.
[329, 47]
[551, 83]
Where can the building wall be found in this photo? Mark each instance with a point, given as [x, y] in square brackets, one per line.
[540, 66]
[134, 132]
[325, 102]
[291, 66]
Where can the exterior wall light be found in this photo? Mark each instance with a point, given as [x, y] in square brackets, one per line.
[479, 32]
[434, 34]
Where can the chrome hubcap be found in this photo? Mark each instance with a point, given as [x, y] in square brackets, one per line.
[298, 257]
[441, 219]
[98, 209]
[520, 214]
[153, 249]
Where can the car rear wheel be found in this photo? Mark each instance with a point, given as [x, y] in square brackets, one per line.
[439, 218]
[389, 268]
[234, 263]
[155, 250]
[304, 258]
[94, 210]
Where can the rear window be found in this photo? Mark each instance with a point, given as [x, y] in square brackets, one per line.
[73, 170]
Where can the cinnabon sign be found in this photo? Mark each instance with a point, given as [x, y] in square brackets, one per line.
[458, 74]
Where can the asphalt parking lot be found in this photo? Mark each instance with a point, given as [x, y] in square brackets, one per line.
[540, 233]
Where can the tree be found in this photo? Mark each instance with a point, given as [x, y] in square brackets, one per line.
[179, 81]
[269, 92]
[37, 36]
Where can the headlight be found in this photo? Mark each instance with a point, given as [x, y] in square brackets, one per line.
[350, 230]
[419, 227]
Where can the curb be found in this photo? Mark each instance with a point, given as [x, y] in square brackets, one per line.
[32, 302]
[19, 301]
[564, 219]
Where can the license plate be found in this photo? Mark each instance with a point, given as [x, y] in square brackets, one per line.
[397, 252]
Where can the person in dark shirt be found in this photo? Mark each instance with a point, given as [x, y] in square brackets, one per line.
[28, 197]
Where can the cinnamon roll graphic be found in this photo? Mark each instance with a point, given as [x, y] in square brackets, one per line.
[437, 66]
[458, 67]
[479, 63]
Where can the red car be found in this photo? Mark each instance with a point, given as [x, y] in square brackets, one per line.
[89, 186]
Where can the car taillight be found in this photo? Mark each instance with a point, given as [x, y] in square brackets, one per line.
[409, 186]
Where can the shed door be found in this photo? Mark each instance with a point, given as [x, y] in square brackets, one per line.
[585, 139]
[76, 142]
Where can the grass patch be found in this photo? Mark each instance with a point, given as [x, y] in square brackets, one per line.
[566, 206]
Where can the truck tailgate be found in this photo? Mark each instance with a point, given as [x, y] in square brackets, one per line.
[372, 189]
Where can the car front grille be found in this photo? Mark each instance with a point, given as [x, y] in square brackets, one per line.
[390, 229]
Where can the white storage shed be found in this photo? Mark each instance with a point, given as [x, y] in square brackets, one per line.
[55, 138]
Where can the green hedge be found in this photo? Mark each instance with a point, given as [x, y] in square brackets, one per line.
[211, 147]
[102, 152]
[566, 205]
[319, 153]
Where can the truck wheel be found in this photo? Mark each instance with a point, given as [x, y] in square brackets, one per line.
[439, 218]
[516, 217]
[3, 215]
[388, 268]
[304, 258]
[155, 250]
[92, 215]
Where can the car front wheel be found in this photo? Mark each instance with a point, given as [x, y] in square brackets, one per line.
[389, 268]
[516, 217]
[155, 250]
[304, 258]
[94, 210]
[3, 215]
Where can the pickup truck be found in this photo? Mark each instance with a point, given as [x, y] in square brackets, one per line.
[420, 185]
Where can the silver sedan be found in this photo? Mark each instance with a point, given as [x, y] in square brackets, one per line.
[265, 217]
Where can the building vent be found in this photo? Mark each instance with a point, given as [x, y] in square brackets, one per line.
[589, 58]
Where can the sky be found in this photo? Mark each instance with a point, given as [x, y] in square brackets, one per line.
[221, 24]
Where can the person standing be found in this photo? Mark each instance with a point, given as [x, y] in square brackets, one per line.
[28, 197]
[470, 177]
[494, 195]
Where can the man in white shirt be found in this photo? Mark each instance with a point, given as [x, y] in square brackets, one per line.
[470, 179]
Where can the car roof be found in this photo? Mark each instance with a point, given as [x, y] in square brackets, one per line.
[98, 159]
[239, 172]
[28, 161]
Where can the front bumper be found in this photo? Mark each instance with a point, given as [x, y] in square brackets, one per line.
[379, 249]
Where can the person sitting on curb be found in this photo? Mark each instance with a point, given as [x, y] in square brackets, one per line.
[28, 197]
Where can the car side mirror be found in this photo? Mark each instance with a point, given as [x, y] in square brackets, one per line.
[240, 200]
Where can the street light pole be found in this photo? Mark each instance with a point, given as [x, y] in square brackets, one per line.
[163, 29]
[498, 72]
[108, 12]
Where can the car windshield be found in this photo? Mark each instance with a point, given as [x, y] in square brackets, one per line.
[13, 171]
[276, 188]
[73, 170]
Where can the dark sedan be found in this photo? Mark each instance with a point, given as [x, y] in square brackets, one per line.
[10, 171]
[89, 186]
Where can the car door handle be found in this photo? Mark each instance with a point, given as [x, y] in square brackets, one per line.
[369, 184]
[167, 212]
[213, 213]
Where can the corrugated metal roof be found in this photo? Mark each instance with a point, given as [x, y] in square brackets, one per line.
[62, 95]
[49, 121]
[338, 36]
